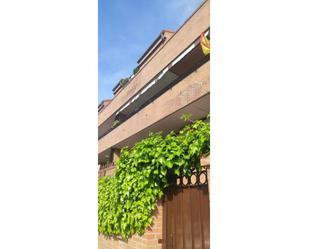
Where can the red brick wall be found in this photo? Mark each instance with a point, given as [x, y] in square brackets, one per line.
[150, 240]
[107, 172]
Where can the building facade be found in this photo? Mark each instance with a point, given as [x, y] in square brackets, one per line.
[172, 78]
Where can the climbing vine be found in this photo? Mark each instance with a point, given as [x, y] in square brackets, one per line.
[127, 200]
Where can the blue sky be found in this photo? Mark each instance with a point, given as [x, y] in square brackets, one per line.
[127, 28]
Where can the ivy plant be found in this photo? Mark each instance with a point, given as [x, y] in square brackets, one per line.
[128, 199]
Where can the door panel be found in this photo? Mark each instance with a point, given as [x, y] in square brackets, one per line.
[186, 217]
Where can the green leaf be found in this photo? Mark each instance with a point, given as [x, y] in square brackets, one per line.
[177, 172]
[126, 201]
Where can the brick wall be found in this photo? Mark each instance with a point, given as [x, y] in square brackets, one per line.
[107, 172]
[150, 240]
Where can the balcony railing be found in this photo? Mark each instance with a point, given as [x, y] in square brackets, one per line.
[107, 166]
[178, 67]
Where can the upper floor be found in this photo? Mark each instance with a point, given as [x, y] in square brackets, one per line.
[169, 61]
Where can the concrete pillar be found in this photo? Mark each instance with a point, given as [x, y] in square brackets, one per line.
[115, 154]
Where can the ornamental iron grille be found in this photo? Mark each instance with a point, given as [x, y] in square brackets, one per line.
[196, 179]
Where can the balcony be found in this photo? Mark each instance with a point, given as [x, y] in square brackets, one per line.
[190, 94]
[185, 35]
[186, 63]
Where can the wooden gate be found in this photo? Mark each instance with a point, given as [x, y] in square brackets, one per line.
[186, 213]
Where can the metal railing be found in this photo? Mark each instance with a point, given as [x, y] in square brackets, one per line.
[107, 166]
[169, 86]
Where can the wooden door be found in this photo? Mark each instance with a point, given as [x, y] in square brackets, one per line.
[186, 214]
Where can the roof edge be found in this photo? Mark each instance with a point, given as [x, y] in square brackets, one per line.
[160, 37]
